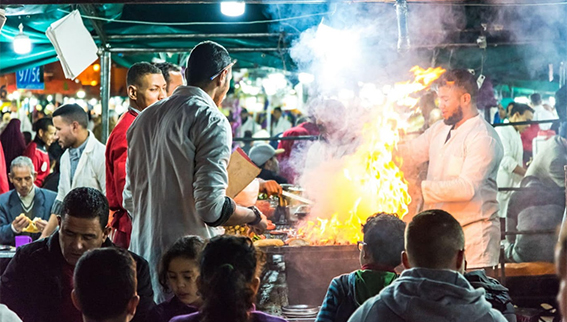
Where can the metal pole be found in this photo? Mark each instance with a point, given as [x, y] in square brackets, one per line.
[105, 63]
[186, 49]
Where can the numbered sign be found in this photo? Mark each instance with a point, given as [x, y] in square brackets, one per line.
[31, 78]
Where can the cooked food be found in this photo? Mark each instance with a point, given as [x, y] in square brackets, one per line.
[268, 243]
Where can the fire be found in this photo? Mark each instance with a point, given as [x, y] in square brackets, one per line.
[371, 180]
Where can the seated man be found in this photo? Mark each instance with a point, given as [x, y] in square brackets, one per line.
[264, 156]
[105, 285]
[24, 205]
[538, 207]
[37, 283]
[379, 255]
[432, 287]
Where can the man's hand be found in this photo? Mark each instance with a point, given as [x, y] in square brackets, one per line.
[270, 187]
[40, 224]
[259, 228]
[20, 223]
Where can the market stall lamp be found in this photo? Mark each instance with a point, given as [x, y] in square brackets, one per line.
[233, 8]
[81, 94]
[22, 42]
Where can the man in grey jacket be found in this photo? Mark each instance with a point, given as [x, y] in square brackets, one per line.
[178, 153]
[432, 287]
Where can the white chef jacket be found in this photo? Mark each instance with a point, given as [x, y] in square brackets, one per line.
[461, 180]
[90, 172]
[542, 114]
[280, 126]
[249, 125]
[513, 157]
[178, 153]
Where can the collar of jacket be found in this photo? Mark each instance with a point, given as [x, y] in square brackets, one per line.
[194, 91]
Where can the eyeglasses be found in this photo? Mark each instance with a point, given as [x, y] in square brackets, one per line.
[222, 70]
[360, 245]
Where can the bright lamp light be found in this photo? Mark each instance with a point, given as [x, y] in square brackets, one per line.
[81, 94]
[22, 43]
[232, 8]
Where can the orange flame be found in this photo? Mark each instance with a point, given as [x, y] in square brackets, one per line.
[371, 180]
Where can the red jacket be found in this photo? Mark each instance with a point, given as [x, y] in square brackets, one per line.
[116, 153]
[40, 160]
[3, 177]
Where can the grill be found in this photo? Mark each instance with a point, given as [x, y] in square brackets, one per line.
[308, 270]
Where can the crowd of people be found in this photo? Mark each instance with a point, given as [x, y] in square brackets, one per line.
[138, 221]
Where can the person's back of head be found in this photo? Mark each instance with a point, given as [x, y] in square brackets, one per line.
[206, 60]
[434, 239]
[105, 285]
[535, 99]
[229, 278]
[73, 113]
[383, 240]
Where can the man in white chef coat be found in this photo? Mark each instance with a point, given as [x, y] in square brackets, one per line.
[511, 169]
[178, 153]
[464, 153]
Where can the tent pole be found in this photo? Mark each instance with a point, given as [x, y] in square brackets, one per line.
[105, 63]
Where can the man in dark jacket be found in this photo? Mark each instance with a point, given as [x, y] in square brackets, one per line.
[38, 282]
[27, 199]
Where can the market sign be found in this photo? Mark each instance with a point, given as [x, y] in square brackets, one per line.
[31, 78]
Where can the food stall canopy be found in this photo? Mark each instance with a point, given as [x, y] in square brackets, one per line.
[514, 40]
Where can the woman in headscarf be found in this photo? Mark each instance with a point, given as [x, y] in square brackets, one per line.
[13, 143]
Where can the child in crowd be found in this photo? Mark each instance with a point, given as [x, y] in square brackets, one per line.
[178, 272]
[380, 253]
[228, 283]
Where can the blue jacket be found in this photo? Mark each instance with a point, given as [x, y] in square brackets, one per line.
[10, 208]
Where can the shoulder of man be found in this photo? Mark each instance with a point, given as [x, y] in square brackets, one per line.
[373, 310]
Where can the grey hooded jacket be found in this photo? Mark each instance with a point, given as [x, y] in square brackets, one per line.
[421, 294]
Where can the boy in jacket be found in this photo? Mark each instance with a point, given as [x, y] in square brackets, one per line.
[379, 255]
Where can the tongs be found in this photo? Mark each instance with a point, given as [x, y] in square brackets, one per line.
[296, 197]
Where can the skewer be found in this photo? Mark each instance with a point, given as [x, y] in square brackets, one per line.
[296, 197]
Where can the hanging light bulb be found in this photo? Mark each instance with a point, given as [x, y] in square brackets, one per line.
[233, 8]
[22, 43]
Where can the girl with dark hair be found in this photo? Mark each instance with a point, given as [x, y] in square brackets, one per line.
[178, 272]
[228, 283]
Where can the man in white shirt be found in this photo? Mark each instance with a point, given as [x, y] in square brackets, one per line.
[247, 124]
[464, 153]
[511, 171]
[82, 164]
[279, 123]
[541, 113]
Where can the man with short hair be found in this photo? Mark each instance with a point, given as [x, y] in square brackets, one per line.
[379, 256]
[24, 205]
[178, 153]
[464, 153]
[172, 75]
[247, 123]
[37, 150]
[146, 85]
[105, 286]
[432, 287]
[511, 170]
[82, 164]
[37, 283]
[279, 123]
[264, 156]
